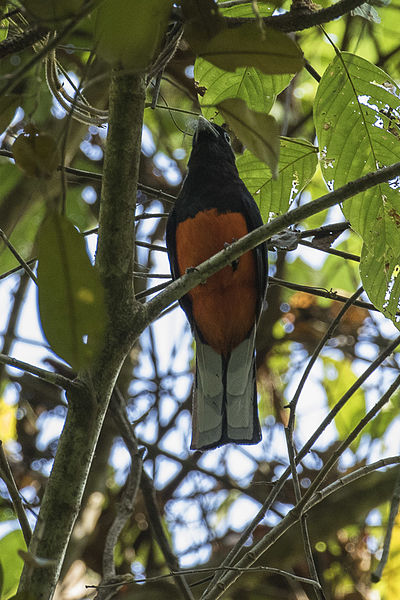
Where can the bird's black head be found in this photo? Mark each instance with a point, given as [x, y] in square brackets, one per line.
[211, 143]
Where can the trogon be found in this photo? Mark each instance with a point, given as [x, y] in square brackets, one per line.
[213, 209]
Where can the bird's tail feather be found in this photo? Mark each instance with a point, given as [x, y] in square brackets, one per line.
[225, 396]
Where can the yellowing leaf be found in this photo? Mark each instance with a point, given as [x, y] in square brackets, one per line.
[129, 33]
[259, 132]
[389, 584]
[8, 421]
[71, 300]
[36, 153]
[269, 50]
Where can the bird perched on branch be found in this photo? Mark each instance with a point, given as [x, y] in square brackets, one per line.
[214, 209]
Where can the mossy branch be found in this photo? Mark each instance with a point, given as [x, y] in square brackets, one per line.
[89, 398]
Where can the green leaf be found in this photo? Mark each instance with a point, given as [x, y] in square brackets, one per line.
[8, 106]
[259, 132]
[297, 164]
[357, 120]
[269, 51]
[11, 562]
[27, 223]
[381, 281]
[338, 377]
[214, 85]
[52, 12]
[71, 300]
[355, 113]
[129, 33]
[36, 153]
[247, 10]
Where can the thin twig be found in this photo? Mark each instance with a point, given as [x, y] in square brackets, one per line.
[128, 497]
[7, 476]
[49, 376]
[17, 255]
[149, 494]
[320, 292]
[293, 404]
[270, 570]
[305, 449]
[258, 549]
[303, 519]
[148, 491]
[202, 272]
[334, 251]
[394, 509]
[350, 478]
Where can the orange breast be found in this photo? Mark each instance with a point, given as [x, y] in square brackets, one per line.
[224, 307]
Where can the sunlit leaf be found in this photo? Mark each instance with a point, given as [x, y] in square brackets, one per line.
[338, 377]
[356, 116]
[11, 562]
[70, 293]
[259, 132]
[129, 33]
[357, 120]
[270, 51]
[297, 164]
[389, 585]
[258, 90]
[247, 10]
[381, 281]
[36, 153]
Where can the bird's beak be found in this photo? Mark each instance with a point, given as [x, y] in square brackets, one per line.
[204, 125]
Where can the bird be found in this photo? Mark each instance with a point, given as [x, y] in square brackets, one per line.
[213, 209]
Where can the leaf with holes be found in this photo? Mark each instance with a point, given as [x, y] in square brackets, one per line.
[358, 126]
[357, 118]
[381, 281]
[71, 301]
[297, 164]
[259, 132]
[258, 90]
[269, 50]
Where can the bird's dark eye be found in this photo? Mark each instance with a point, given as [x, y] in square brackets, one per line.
[227, 138]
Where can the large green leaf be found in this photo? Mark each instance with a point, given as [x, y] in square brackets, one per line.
[297, 164]
[71, 301]
[129, 33]
[270, 51]
[356, 135]
[258, 90]
[356, 115]
[11, 562]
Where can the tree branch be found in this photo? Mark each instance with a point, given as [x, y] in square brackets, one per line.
[89, 398]
[7, 476]
[296, 20]
[272, 496]
[228, 255]
[258, 549]
[49, 376]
